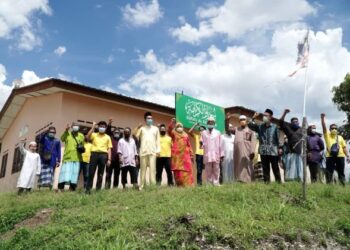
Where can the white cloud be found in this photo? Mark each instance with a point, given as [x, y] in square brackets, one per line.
[143, 14]
[237, 77]
[17, 21]
[60, 50]
[110, 59]
[28, 78]
[67, 78]
[5, 90]
[235, 18]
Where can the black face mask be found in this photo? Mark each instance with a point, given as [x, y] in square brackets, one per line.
[162, 132]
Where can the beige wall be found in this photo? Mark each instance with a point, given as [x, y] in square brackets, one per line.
[60, 109]
[36, 113]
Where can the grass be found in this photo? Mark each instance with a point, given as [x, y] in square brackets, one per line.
[230, 216]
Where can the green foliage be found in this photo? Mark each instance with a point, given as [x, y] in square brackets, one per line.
[231, 216]
[341, 97]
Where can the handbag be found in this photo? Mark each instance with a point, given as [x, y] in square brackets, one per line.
[47, 155]
[80, 146]
[335, 149]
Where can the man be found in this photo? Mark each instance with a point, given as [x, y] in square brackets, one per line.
[148, 135]
[115, 165]
[101, 153]
[315, 147]
[268, 144]
[198, 151]
[228, 138]
[244, 151]
[336, 152]
[164, 159]
[50, 154]
[30, 168]
[71, 158]
[84, 165]
[213, 152]
[128, 158]
[294, 133]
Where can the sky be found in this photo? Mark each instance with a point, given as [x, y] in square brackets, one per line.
[227, 52]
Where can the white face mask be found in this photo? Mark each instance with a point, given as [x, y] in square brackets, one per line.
[75, 128]
[180, 129]
[313, 130]
[211, 126]
[265, 119]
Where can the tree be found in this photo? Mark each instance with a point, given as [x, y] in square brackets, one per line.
[341, 98]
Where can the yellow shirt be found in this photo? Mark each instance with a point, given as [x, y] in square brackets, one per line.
[165, 146]
[86, 155]
[330, 140]
[100, 142]
[199, 150]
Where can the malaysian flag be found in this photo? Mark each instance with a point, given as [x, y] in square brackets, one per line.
[303, 54]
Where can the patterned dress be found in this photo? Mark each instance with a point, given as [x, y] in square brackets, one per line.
[181, 163]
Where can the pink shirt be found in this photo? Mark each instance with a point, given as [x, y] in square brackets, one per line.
[128, 151]
[213, 146]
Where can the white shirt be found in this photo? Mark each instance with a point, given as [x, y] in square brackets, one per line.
[31, 167]
[127, 151]
[228, 144]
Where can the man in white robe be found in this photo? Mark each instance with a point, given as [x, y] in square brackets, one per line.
[31, 167]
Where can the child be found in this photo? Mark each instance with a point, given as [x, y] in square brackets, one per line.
[31, 167]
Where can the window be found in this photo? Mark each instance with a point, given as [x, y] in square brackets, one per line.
[17, 161]
[3, 165]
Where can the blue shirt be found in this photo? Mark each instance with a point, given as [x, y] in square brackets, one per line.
[53, 146]
[268, 138]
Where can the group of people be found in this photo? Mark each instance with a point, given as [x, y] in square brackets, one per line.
[225, 157]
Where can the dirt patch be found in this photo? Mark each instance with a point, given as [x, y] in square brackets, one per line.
[184, 232]
[312, 242]
[40, 218]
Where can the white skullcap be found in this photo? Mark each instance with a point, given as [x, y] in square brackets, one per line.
[32, 143]
[242, 117]
[312, 124]
[211, 119]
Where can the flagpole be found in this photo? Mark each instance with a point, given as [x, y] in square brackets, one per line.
[304, 128]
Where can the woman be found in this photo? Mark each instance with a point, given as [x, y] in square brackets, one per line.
[31, 167]
[182, 155]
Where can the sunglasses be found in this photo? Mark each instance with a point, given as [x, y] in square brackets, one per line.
[334, 128]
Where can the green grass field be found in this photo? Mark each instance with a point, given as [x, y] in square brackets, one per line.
[227, 217]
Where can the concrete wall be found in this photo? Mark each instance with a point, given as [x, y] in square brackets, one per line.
[36, 113]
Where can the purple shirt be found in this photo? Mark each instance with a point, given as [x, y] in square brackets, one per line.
[315, 147]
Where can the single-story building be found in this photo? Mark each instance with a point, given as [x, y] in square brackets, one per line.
[30, 110]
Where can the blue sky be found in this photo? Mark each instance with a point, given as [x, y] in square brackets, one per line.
[149, 49]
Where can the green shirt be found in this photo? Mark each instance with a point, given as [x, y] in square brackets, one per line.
[70, 149]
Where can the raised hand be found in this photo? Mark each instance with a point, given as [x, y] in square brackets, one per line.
[68, 126]
[110, 120]
[323, 115]
[256, 114]
[286, 111]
